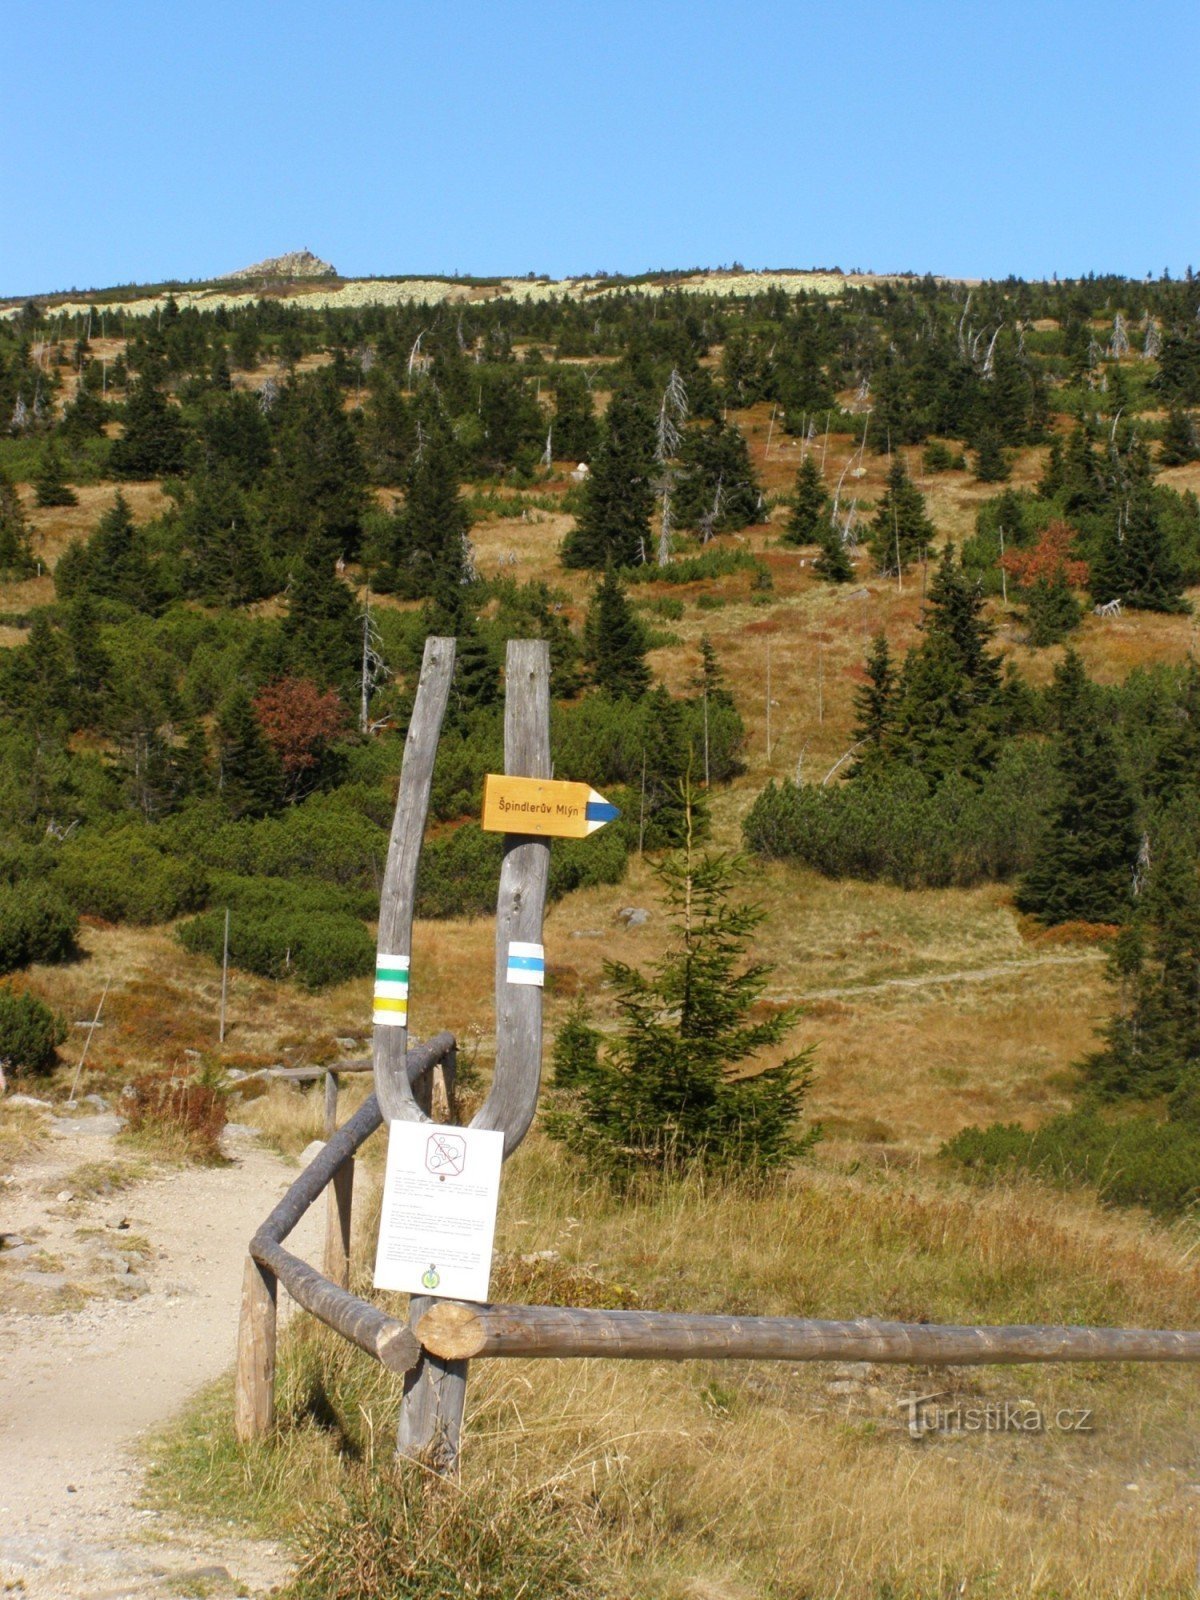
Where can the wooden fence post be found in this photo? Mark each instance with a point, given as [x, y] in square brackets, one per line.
[254, 1393]
[435, 1390]
[339, 1199]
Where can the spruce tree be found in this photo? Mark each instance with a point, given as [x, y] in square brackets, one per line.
[810, 504]
[718, 490]
[318, 485]
[476, 674]
[662, 1096]
[50, 485]
[667, 807]
[152, 444]
[991, 465]
[574, 426]
[425, 550]
[1154, 1039]
[90, 669]
[323, 628]
[114, 564]
[834, 563]
[1082, 869]
[1134, 562]
[618, 497]
[875, 710]
[955, 608]
[220, 542]
[249, 776]
[901, 531]
[614, 644]
[16, 558]
[1052, 611]
[1180, 440]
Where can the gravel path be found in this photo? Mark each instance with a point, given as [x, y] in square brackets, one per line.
[160, 1263]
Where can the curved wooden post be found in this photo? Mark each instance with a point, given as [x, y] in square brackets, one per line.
[435, 1390]
[521, 903]
[400, 875]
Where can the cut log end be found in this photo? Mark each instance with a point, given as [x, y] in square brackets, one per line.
[451, 1330]
[398, 1349]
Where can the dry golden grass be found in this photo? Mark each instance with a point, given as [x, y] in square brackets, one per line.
[23, 1131]
[739, 1479]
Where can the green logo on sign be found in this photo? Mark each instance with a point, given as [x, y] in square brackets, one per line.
[432, 1278]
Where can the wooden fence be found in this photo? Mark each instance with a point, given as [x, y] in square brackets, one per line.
[434, 1346]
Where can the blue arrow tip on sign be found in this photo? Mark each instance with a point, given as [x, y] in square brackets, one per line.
[602, 811]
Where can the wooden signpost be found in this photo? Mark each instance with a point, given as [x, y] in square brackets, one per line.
[441, 1336]
[543, 806]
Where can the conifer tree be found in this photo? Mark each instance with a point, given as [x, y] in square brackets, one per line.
[718, 490]
[220, 542]
[1180, 440]
[15, 555]
[249, 776]
[900, 531]
[152, 444]
[425, 550]
[810, 505]
[318, 485]
[50, 485]
[114, 564]
[1052, 611]
[667, 805]
[662, 1096]
[1134, 562]
[875, 710]
[576, 1054]
[618, 497]
[323, 629]
[1154, 1039]
[476, 674]
[991, 466]
[834, 563]
[90, 668]
[575, 431]
[1083, 866]
[614, 644]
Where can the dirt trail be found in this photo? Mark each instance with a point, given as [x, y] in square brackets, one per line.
[928, 980]
[80, 1388]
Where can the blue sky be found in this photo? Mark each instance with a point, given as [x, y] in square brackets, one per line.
[154, 140]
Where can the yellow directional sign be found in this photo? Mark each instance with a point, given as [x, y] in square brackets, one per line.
[541, 805]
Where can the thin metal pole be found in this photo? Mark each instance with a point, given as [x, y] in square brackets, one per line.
[88, 1042]
[224, 975]
[1003, 574]
[768, 699]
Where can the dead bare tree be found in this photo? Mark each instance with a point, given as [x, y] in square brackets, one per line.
[672, 414]
[1119, 343]
[1152, 342]
[374, 670]
[267, 396]
[664, 532]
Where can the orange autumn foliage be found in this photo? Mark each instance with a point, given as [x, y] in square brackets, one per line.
[1049, 558]
[298, 721]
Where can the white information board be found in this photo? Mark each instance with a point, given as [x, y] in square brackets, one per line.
[438, 1221]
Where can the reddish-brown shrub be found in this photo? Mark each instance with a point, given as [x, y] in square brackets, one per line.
[185, 1113]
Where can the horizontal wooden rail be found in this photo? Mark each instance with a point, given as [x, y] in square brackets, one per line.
[456, 1331]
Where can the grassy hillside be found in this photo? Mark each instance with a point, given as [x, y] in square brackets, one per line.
[931, 1011]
